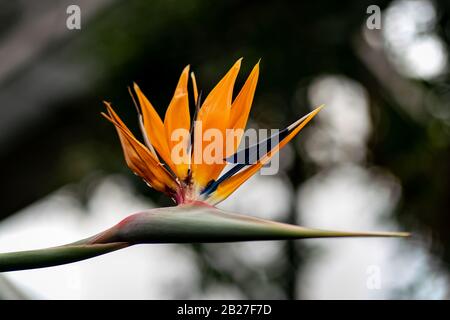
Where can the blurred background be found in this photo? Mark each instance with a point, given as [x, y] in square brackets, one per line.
[376, 158]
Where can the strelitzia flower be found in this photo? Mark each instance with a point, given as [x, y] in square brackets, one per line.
[173, 158]
[195, 178]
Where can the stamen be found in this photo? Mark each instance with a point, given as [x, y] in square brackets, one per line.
[194, 119]
[194, 86]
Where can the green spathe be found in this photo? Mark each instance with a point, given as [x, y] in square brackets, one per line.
[191, 223]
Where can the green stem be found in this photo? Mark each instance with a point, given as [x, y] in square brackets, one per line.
[42, 258]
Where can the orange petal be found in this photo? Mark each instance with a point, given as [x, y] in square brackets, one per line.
[240, 109]
[139, 159]
[214, 114]
[225, 189]
[154, 127]
[242, 104]
[177, 117]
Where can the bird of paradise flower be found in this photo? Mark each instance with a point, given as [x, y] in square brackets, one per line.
[195, 184]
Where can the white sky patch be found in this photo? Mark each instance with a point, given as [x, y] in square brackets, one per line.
[411, 41]
[340, 131]
[352, 198]
[426, 57]
[267, 197]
